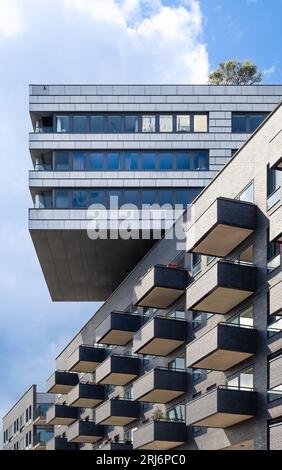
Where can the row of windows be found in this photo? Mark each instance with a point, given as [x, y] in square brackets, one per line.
[18, 424]
[247, 122]
[128, 123]
[126, 161]
[83, 198]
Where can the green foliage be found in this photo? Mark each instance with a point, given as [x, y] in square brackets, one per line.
[232, 72]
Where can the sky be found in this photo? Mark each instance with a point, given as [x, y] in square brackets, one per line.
[94, 41]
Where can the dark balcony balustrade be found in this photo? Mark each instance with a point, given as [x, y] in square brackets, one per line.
[222, 407]
[114, 445]
[222, 347]
[160, 435]
[61, 414]
[85, 432]
[60, 443]
[160, 385]
[86, 358]
[117, 412]
[118, 328]
[222, 227]
[222, 287]
[61, 382]
[117, 370]
[160, 336]
[86, 395]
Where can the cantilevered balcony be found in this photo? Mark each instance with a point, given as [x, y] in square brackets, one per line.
[117, 412]
[85, 432]
[222, 227]
[61, 414]
[61, 382]
[118, 370]
[222, 287]
[275, 299]
[118, 328]
[86, 358]
[222, 347]
[160, 385]
[160, 336]
[275, 223]
[160, 435]
[39, 416]
[222, 407]
[161, 287]
[60, 443]
[86, 395]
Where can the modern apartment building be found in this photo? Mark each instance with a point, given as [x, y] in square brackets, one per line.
[125, 144]
[24, 426]
[187, 352]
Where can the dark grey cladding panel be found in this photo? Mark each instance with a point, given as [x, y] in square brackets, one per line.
[242, 402]
[92, 354]
[170, 431]
[169, 328]
[173, 278]
[125, 408]
[126, 365]
[166, 379]
[237, 276]
[234, 338]
[119, 321]
[85, 428]
[236, 213]
[91, 391]
[62, 378]
[61, 411]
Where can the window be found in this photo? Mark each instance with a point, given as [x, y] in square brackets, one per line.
[166, 161]
[97, 124]
[177, 314]
[128, 392]
[177, 363]
[242, 380]
[196, 263]
[63, 124]
[26, 415]
[114, 123]
[197, 374]
[165, 197]
[62, 161]
[29, 412]
[273, 186]
[113, 161]
[166, 123]
[79, 199]
[61, 199]
[131, 196]
[131, 161]
[148, 123]
[247, 122]
[44, 200]
[197, 320]
[186, 196]
[246, 256]
[79, 124]
[148, 197]
[210, 259]
[96, 197]
[245, 318]
[247, 194]
[177, 413]
[273, 254]
[113, 199]
[182, 161]
[78, 161]
[148, 161]
[131, 124]
[183, 123]
[96, 161]
[200, 123]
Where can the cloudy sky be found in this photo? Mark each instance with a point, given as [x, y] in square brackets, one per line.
[94, 41]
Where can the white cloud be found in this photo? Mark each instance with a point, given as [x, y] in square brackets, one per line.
[270, 71]
[11, 22]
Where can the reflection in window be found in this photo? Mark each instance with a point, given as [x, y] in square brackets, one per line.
[200, 123]
[113, 161]
[244, 379]
[148, 161]
[62, 124]
[182, 161]
[177, 413]
[273, 186]
[79, 124]
[177, 363]
[131, 161]
[247, 122]
[44, 200]
[131, 197]
[97, 123]
[183, 123]
[114, 123]
[61, 199]
[148, 123]
[96, 161]
[79, 199]
[131, 123]
[148, 197]
[245, 318]
[61, 161]
[96, 197]
[78, 161]
[166, 161]
[166, 123]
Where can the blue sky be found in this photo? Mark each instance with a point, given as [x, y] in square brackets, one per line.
[94, 41]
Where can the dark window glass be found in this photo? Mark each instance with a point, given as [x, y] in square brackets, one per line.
[166, 197]
[148, 161]
[45, 200]
[239, 123]
[113, 161]
[97, 124]
[79, 124]
[201, 161]
[131, 197]
[78, 161]
[62, 161]
[183, 161]
[96, 197]
[96, 161]
[79, 199]
[61, 199]
[131, 161]
[166, 161]
[255, 121]
[131, 123]
[62, 124]
[247, 122]
[148, 197]
[113, 199]
[114, 124]
[273, 180]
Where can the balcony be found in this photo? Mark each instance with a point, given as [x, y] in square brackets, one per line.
[85, 432]
[86, 395]
[86, 358]
[40, 439]
[112, 445]
[61, 414]
[275, 299]
[60, 443]
[61, 382]
[222, 407]
[161, 287]
[160, 385]
[222, 287]
[39, 416]
[222, 227]
[118, 328]
[222, 347]
[118, 370]
[117, 412]
[275, 223]
[160, 336]
[160, 435]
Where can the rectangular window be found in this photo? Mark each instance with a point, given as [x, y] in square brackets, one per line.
[176, 413]
[78, 161]
[166, 196]
[243, 380]
[148, 161]
[196, 263]
[148, 197]
[114, 123]
[200, 123]
[62, 161]
[96, 197]
[131, 196]
[273, 254]
[183, 123]
[61, 199]
[113, 161]
[113, 199]
[183, 161]
[245, 318]
[166, 123]
[273, 187]
[131, 124]
[166, 160]
[247, 122]
[239, 123]
[79, 199]
[97, 124]
[29, 412]
[148, 123]
[177, 363]
[247, 194]
[96, 161]
[200, 160]
[186, 196]
[79, 124]
[62, 124]
[131, 161]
